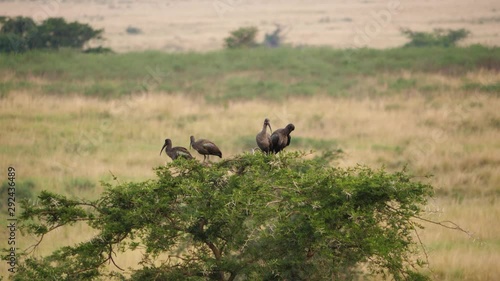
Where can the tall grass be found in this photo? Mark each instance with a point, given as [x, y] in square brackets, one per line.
[68, 145]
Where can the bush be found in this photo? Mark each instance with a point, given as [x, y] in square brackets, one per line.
[251, 217]
[243, 37]
[53, 33]
[133, 30]
[439, 37]
[77, 185]
[12, 43]
[19, 25]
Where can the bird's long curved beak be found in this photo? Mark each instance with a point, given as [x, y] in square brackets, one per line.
[162, 148]
[269, 125]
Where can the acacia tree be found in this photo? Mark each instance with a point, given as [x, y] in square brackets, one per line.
[251, 217]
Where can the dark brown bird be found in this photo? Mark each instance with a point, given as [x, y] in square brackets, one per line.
[264, 139]
[175, 152]
[205, 148]
[281, 138]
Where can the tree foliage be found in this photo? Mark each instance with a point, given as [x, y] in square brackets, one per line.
[438, 38]
[243, 37]
[251, 217]
[20, 34]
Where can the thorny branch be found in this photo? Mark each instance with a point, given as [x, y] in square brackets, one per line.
[448, 224]
[34, 246]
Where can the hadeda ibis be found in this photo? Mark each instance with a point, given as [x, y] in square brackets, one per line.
[264, 139]
[205, 148]
[175, 152]
[281, 138]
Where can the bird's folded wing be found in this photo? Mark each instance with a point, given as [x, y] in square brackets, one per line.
[209, 144]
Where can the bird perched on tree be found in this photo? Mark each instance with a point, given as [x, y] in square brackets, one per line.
[205, 148]
[175, 152]
[264, 139]
[281, 138]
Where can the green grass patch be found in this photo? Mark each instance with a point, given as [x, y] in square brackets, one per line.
[304, 143]
[402, 84]
[243, 74]
[429, 88]
[7, 86]
[390, 148]
[244, 88]
[78, 185]
[24, 189]
[493, 88]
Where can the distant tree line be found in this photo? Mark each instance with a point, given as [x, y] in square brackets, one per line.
[20, 34]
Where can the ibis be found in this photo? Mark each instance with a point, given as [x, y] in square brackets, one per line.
[281, 138]
[264, 139]
[175, 152]
[205, 148]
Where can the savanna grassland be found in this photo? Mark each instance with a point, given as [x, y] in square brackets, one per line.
[70, 120]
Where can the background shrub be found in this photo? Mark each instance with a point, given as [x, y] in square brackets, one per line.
[133, 30]
[439, 37]
[12, 43]
[243, 37]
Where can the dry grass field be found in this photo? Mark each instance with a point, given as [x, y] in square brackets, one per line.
[64, 144]
[69, 144]
[201, 25]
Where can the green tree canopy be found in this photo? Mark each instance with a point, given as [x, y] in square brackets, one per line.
[251, 217]
[22, 33]
[18, 25]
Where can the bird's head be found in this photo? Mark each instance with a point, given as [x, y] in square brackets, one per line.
[268, 124]
[167, 143]
[290, 127]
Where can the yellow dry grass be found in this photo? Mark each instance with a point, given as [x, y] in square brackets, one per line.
[462, 257]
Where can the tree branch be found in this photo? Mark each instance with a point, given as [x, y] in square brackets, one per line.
[452, 225]
[110, 257]
[420, 242]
